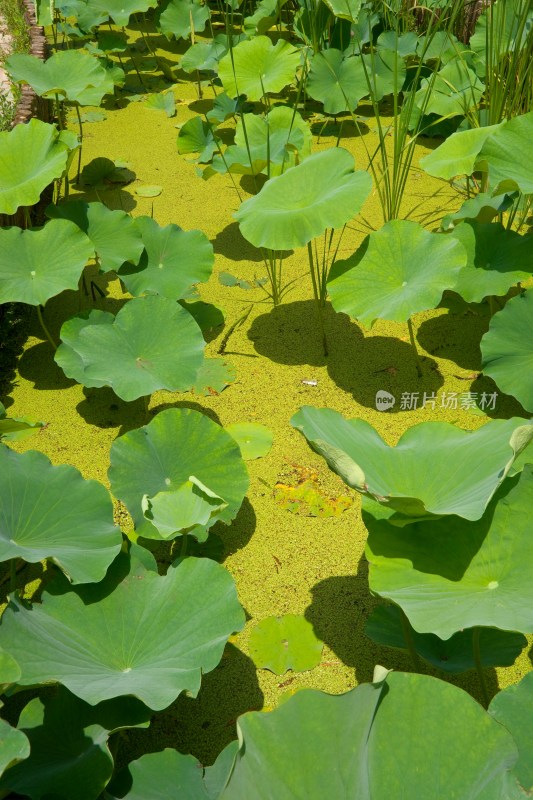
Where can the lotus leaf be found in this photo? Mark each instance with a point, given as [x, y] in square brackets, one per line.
[112, 41]
[404, 44]
[197, 136]
[152, 343]
[148, 191]
[14, 746]
[31, 157]
[206, 55]
[448, 574]
[454, 90]
[497, 648]
[482, 208]
[285, 643]
[458, 154]
[189, 509]
[102, 172]
[69, 74]
[512, 709]
[213, 377]
[497, 259]
[399, 270]
[507, 349]
[163, 455]
[225, 107]
[120, 11]
[35, 265]
[9, 671]
[208, 318]
[441, 46]
[499, 152]
[149, 636]
[179, 17]
[269, 144]
[264, 17]
[256, 67]
[254, 440]
[172, 262]
[69, 752]
[361, 744]
[429, 472]
[13, 428]
[93, 116]
[337, 81]
[40, 507]
[345, 9]
[114, 234]
[385, 72]
[163, 101]
[324, 191]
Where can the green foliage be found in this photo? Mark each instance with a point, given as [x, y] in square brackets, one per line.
[429, 472]
[119, 11]
[512, 708]
[254, 440]
[152, 343]
[40, 506]
[285, 643]
[144, 464]
[336, 80]
[164, 101]
[507, 349]
[13, 428]
[14, 746]
[256, 67]
[180, 18]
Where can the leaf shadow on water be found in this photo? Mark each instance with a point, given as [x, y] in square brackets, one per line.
[338, 612]
[206, 724]
[359, 364]
[457, 334]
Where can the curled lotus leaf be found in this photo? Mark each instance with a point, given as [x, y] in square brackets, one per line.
[162, 457]
[37, 264]
[148, 636]
[173, 261]
[189, 509]
[450, 574]
[454, 90]
[152, 343]
[399, 270]
[256, 67]
[114, 234]
[324, 191]
[507, 349]
[68, 74]
[31, 157]
[41, 505]
[429, 472]
[497, 259]
[14, 746]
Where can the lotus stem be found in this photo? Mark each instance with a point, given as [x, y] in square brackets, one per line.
[318, 302]
[409, 641]
[45, 329]
[413, 345]
[81, 141]
[12, 574]
[183, 549]
[479, 666]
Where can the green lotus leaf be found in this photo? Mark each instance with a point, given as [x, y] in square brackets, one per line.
[213, 377]
[179, 17]
[206, 55]
[37, 264]
[14, 746]
[197, 136]
[152, 343]
[429, 472]
[114, 234]
[497, 648]
[450, 574]
[266, 14]
[454, 90]
[337, 81]
[458, 154]
[499, 152]
[482, 208]
[112, 42]
[497, 259]
[40, 507]
[120, 11]
[324, 191]
[441, 46]
[173, 261]
[102, 644]
[512, 708]
[93, 116]
[256, 67]
[102, 173]
[385, 72]
[144, 462]
[32, 156]
[13, 428]
[399, 270]
[225, 107]
[69, 74]
[69, 752]
[163, 101]
[404, 44]
[148, 191]
[345, 9]
[391, 739]
[285, 643]
[507, 349]
[208, 317]
[189, 509]
[271, 144]
[254, 440]
[9, 671]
